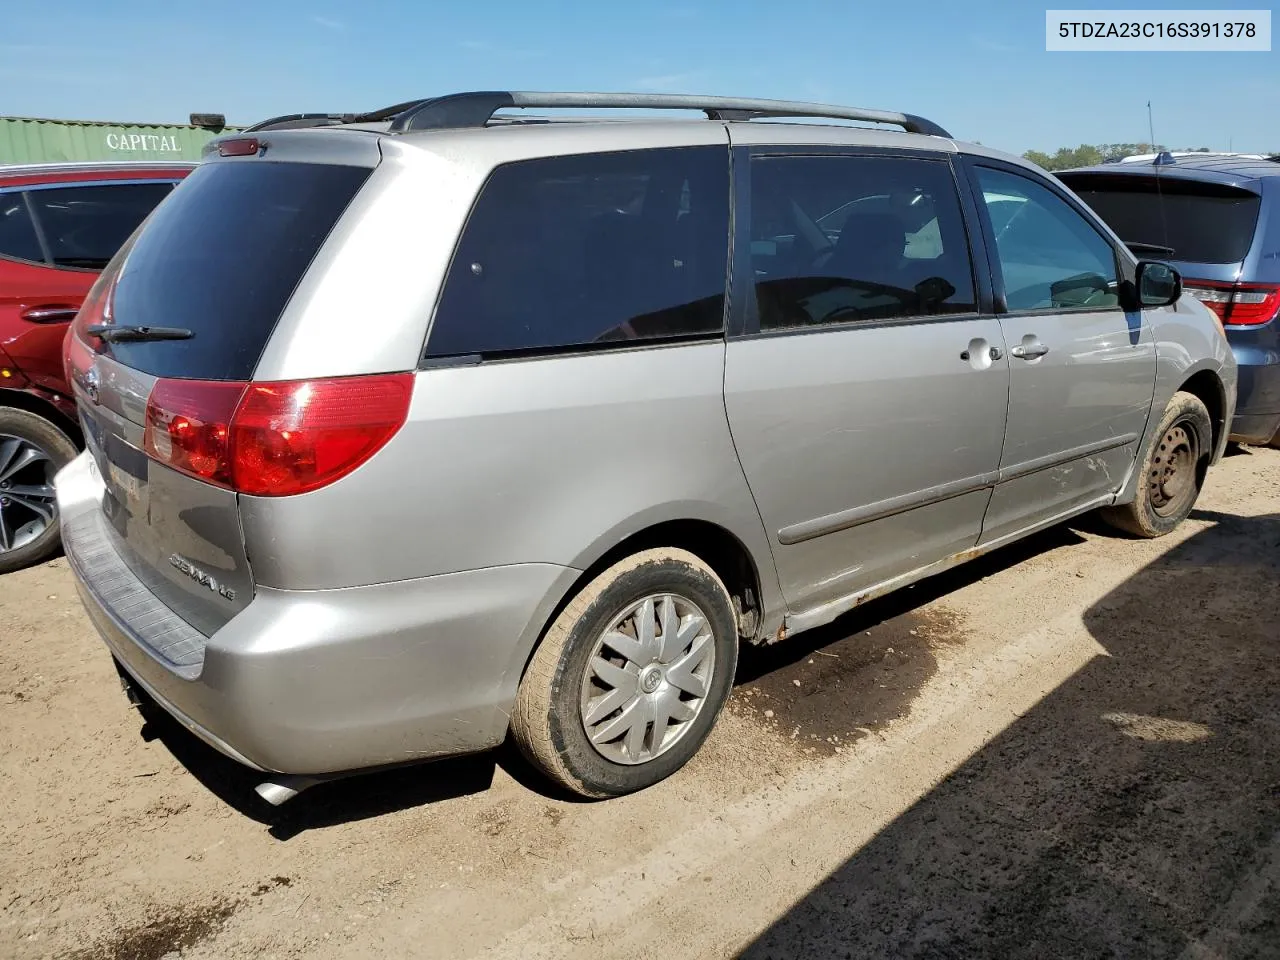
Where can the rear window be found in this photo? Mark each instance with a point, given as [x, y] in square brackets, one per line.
[1200, 222]
[573, 252]
[221, 258]
[17, 233]
[85, 226]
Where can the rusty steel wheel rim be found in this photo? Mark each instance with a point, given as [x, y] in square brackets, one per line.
[1172, 481]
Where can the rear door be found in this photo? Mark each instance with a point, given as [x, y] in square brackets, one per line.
[1082, 369]
[865, 389]
[220, 260]
[55, 239]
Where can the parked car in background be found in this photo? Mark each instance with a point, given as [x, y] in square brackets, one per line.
[1216, 217]
[59, 226]
[628, 394]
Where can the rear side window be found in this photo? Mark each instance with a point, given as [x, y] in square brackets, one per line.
[85, 226]
[571, 252]
[840, 239]
[17, 233]
[1174, 218]
[221, 258]
[1050, 256]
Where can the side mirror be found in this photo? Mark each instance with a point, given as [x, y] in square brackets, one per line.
[1159, 285]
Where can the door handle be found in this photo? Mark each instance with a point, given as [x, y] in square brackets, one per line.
[1029, 351]
[49, 314]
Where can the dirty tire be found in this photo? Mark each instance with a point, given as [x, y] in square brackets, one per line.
[1148, 517]
[40, 433]
[547, 722]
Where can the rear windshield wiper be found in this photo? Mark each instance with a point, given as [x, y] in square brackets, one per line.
[113, 334]
[1157, 248]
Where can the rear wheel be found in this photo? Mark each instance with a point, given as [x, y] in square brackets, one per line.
[629, 679]
[1172, 471]
[32, 450]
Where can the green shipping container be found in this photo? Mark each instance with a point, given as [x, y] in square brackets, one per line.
[26, 140]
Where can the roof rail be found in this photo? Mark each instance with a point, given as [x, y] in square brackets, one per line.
[297, 121]
[474, 109]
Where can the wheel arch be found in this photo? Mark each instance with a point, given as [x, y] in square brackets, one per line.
[716, 545]
[723, 545]
[45, 408]
[1207, 386]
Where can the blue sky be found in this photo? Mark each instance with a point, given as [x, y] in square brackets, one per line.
[979, 69]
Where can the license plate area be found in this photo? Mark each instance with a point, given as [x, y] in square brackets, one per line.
[124, 469]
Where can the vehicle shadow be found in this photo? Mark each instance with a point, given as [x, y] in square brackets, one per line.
[889, 620]
[1133, 812]
[892, 612]
[326, 804]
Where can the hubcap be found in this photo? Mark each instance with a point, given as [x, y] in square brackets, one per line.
[647, 678]
[27, 504]
[1172, 481]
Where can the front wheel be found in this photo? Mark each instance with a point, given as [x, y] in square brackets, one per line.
[630, 677]
[32, 450]
[1173, 471]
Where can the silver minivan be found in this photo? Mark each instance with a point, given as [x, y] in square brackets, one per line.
[411, 431]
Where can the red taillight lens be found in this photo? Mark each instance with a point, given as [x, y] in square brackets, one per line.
[189, 426]
[77, 356]
[1253, 303]
[274, 439]
[1237, 304]
[292, 437]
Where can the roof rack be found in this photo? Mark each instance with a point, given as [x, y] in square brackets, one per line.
[475, 109]
[297, 121]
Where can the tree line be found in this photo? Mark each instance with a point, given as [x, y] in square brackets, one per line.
[1088, 154]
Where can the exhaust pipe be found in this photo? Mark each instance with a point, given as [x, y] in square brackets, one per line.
[284, 788]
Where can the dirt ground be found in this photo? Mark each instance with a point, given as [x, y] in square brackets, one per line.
[1070, 748]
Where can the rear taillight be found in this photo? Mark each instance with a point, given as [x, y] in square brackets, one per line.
[77, 356]
[274, 439]
[1237, 304]
[189, 426]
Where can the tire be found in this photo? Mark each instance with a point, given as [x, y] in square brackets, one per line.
[565, 685]
[32, 450]
[1173, 471]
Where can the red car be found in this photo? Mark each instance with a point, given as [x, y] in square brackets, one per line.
[59, 225]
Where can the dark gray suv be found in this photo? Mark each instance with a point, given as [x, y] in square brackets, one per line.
[1217, 219]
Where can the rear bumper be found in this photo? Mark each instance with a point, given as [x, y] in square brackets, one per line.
[1256, 428]
[313, 682]
[1257, 417]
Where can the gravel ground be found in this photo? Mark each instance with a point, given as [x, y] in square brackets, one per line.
[1070, 748]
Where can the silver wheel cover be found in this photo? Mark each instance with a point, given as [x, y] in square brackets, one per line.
[647, 678]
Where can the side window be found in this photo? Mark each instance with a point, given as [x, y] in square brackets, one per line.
[1050, 256]
[17, 233]
[85, 226]
[840, 239]
[567, 252]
